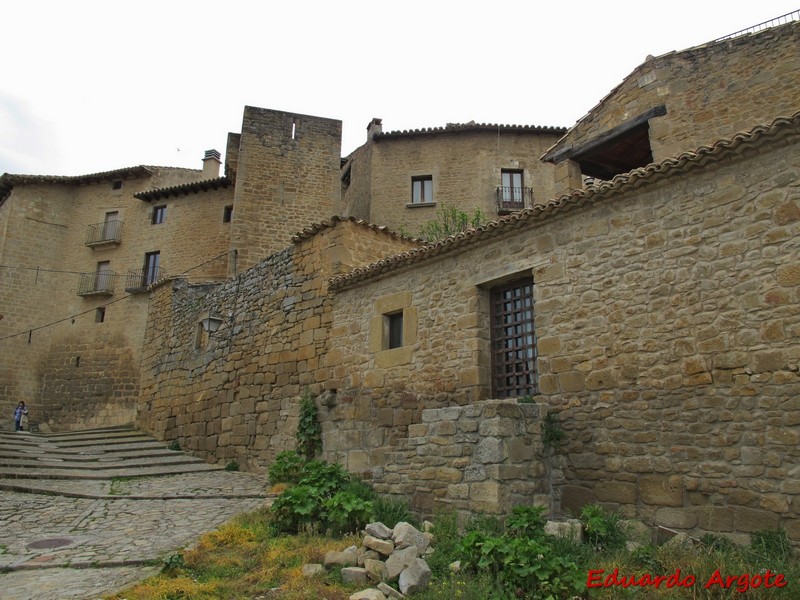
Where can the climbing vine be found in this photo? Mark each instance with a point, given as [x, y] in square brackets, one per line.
[309, 431]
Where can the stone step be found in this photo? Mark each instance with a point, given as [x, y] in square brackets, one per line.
[154, 453]
[88, 474]
[101, 464]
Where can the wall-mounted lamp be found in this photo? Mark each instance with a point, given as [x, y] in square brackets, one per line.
[211, 324]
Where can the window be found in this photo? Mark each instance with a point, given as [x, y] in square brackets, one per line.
[422, 189]
[100, 314]
[513, 343]
[394, 330]
[159, 214]
[116, 185]
[227, 214]
[512, 188]
[151, 268]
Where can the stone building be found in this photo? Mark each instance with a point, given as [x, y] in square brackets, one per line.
[682, 100]
[651, 311]
[399, 178]
[78, 255]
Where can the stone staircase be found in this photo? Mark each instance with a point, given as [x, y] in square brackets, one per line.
[99, 454]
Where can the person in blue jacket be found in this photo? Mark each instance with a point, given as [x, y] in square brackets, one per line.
[19, 412]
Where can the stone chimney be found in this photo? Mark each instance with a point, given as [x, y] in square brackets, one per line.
[375, 126]
[211, 163]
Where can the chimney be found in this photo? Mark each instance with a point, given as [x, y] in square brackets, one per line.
[375, 126]
[211, 163]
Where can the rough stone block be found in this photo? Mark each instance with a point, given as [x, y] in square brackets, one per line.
[381, 546]
[490, 450]
[680, 518]
[354, 575]
[751, 519]
[616, 491]
[661, 490]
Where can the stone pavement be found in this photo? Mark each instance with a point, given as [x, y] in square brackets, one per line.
[84, 514]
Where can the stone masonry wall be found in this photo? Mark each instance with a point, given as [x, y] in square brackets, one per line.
[287, 177]
[481, 458]
[711, 92]
[667, 319]
[465, 168]
[234, 394]
[79, 371]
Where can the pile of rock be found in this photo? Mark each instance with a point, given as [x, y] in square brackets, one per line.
[386, 556]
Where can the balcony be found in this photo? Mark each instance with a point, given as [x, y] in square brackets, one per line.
[97, 283]
[510, 199]
[137, 282]
[108, 233]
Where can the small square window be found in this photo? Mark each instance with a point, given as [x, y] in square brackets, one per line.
[116, 185]
[422, 189]
[159, 214]
[100, 314]
[227, 214]
[394, 330]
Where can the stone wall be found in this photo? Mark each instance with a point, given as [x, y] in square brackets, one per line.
[234, 394]
[667, 317]
[287, 176]
[465, 166]
[481, 458]
[78, 370]
[711, 92]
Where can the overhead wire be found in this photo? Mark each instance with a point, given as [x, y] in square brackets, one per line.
[30, 330]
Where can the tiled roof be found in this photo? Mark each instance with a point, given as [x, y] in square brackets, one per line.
[666, 58]
[314, 229]
[9, 180]
[782, 127]
[185, 189]
[471, 127]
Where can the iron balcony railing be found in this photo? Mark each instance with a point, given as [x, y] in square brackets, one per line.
[138, 281]
[513, 198]
[108, 232]
[97, 283]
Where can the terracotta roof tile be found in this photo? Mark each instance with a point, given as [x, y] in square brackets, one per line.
[184, 189]
[471, 127]
[782, 126]
[316, 228]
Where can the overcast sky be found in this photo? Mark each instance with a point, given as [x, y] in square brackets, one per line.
[95, 86]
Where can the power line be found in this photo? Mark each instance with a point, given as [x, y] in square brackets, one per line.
[29, 331]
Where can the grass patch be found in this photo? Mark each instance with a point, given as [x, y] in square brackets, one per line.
[118, 486]
[246, 558]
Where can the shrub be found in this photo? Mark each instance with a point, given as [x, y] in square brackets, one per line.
[771, 544]
[325, 499]
[526, 521]
[390, 510]
[604, 531]
[524, 567]
[449, 221]
[232, 466]
[286, 468]
[346, 512]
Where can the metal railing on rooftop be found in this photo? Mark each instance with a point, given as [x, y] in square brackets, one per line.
[782, 20]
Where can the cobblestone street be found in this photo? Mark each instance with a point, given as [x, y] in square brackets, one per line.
[83, 538]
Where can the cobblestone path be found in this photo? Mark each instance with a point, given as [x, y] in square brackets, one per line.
[84, 514]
